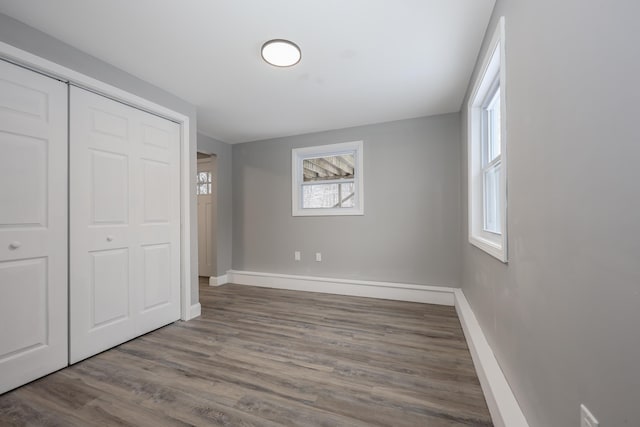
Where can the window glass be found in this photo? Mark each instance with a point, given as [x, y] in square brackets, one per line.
[493, 127]
[316, 196]
[203, 186]
[329, 168]
[327, 180]
[491, 199]
[491, 161]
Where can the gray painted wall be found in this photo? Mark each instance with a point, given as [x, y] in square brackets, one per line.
[562, 317]
[411, 227]
[38, 43]
[224, 208]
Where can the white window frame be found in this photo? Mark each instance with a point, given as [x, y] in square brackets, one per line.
[297, 157]
[492, 74]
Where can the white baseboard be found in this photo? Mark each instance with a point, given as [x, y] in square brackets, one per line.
[195, 311]
[217, 281]
[441, 295]
[503, 406]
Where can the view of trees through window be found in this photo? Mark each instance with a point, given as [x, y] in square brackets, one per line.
[328, 182]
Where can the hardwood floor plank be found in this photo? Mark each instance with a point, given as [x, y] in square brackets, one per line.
[270, 357]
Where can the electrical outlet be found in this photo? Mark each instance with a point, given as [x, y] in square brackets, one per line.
[318, 256]
[296, 255]
[586, 418]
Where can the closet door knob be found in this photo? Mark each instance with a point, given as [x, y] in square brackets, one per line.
[15, 245]
[109, 238]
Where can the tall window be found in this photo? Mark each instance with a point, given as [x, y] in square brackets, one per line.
[327, 180]
[487, 160]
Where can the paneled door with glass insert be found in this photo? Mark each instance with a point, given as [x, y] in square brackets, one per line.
[205, 191]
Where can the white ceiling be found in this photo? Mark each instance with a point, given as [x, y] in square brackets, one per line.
[363, 61]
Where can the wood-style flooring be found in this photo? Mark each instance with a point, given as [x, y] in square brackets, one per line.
[267, 357]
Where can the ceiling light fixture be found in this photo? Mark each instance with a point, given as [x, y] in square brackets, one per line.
[281, 53]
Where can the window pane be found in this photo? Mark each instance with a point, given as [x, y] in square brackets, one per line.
[202, 189]
[347, 194]
[329, 168]
[491, 180]
[320, 196]
[204, 177]
[493, 127]
[323, 196]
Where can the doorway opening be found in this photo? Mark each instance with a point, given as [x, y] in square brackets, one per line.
[206, 191]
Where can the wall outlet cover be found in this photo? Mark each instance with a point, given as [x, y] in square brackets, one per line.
[296, 255]
[318, 256]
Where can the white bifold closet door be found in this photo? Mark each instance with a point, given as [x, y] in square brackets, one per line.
[33, 225]
[124, 223]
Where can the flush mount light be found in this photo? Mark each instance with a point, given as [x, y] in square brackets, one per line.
[281, 53]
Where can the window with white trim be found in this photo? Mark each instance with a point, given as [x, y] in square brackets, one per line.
[327, 180]
[487, 148]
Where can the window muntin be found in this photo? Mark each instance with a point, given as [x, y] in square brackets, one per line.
[327, 180]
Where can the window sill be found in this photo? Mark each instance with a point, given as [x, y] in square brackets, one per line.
[492, 248]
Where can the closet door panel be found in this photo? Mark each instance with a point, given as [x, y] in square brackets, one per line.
[102, 234]
[25, 200]
[158, 216]
[109, 189]
[125, 223]
[109, 287]
[33, 226]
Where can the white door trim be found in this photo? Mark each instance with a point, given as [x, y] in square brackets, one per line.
[36, 63]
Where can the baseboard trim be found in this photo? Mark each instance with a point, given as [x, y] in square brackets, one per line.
[195, 311]
[442, 295]
[217, 281]
[503, 406]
